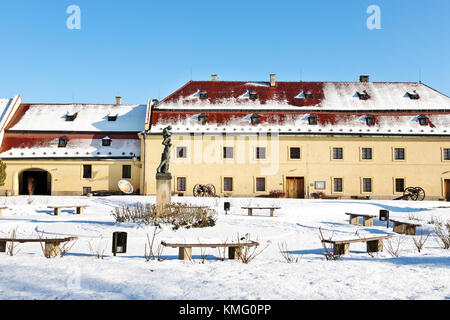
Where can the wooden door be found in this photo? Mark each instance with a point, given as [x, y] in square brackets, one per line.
[447, 189]
[295, 187]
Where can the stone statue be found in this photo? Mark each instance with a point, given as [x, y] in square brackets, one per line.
[165, 156]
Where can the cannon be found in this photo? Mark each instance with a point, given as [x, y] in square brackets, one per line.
[412, 193]
[204, 190]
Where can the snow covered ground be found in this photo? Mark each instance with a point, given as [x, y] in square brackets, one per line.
[80, 275]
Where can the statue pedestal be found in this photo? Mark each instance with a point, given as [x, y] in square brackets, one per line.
[163, 191]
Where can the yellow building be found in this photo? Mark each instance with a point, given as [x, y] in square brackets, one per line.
[72, 149]
[340, 139]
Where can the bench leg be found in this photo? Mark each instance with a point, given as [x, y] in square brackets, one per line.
[1, 213]
[57, 211]
[410, 230]
[374, 246]
[368, 222]
[3, 246]
[80, 210]
[184, 253]
[52, 249]
[399, 228]
[271, 212]
[341, 248]
[234, 253]
[250, 212]
[354, 220]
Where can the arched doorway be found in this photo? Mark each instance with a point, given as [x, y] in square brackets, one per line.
[41, 179]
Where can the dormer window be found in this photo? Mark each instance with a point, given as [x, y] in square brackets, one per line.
[106, 141]
[253, 95]
[71, 117]
[112, 117]
[370, 120]
[308, 95]
[413, 95]
[423, 120]
[312, 119]
[62, 142]
[203, 94]
[363, 95]
[254, 119]
[202, 118]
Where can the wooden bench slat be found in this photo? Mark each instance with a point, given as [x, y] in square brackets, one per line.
[38, 240]
[260, 207]
[209, 245]
[361, 215]
[74, 206]
[356, 240]
[404, 222]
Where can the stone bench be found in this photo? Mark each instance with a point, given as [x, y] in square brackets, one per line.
[341, 247]
[250, 209]
[51, 245]
[404, 227]
[57, 209]
[367, 219]
[185, 249]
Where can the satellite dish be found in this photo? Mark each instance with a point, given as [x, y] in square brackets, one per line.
[125, 186]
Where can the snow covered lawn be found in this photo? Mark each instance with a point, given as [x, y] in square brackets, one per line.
[80, 275]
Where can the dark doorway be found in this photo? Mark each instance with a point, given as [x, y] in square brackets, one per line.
[295, 187]
[41, 179]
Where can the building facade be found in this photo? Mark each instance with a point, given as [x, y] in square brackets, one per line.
[343, 139]
[72, 149]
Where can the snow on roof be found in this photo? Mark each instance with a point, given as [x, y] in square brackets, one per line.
[290, 122]
[17, 147]
[290, 96]
[90, 117]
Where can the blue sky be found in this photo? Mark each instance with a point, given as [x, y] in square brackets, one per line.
[142, 50]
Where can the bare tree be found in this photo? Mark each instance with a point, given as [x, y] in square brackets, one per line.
[249, 253]
[289, 257]
[12, 244]
[329, 252]
[393, 248]
[419, 241]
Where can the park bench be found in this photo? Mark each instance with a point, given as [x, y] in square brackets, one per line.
[185, 249]
[1, 210]
[404, 227]
[57, 209]
[367, 219]
[250, 209]
[374, 244]
[51, 245]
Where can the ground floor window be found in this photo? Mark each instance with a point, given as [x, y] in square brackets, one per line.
[367, 184]
[260, 184]
[227, 184]
[87, 171]
[126, 171]
[181, 184]
[337, 185]
[446, 154]
[399, 185]
[86, 190]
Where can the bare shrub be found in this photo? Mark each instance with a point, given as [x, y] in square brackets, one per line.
[222, 251]
[97, 249]
[393, 248]
[179, 215]
[152, 254]
[419, 241]
[66, 247]
[329, 252]
[413, 216]
[289, 257]
[443, 233]
[435, 220]
[12, 244]
[248, 254]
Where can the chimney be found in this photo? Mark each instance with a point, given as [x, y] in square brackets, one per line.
[214, 77]
[364, 78]
[118, 100]
[272, 80]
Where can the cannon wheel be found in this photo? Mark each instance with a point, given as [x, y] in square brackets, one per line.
[211, 190]
[198, 190]
[420, 193]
